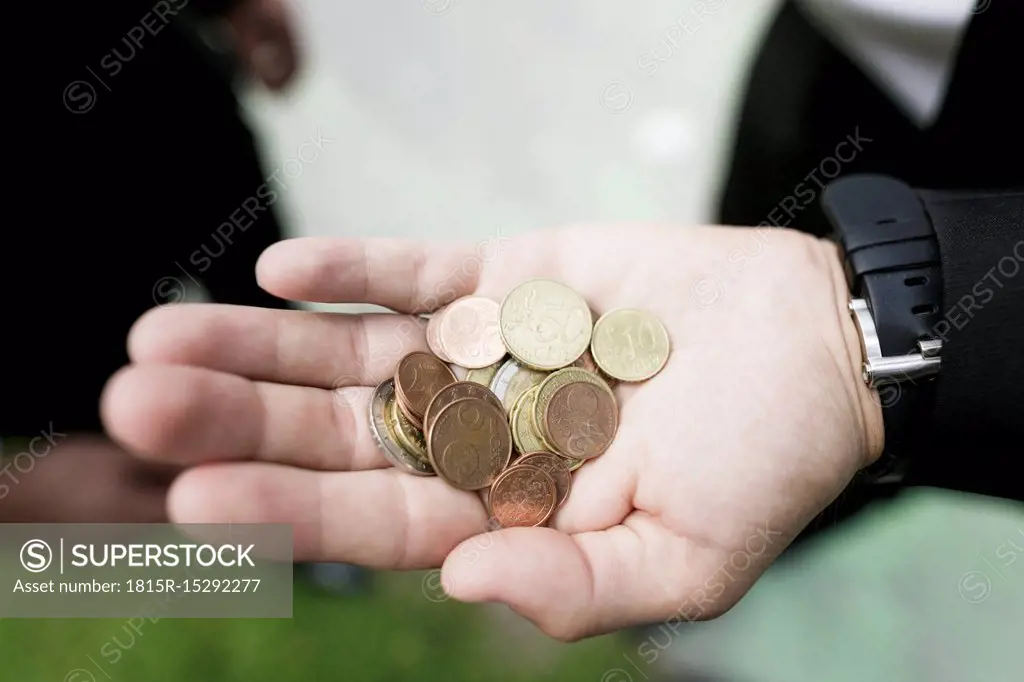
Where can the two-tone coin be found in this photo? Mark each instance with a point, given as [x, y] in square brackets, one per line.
[630, 344]
[513, 380]
[523, 496]
[383, 430]
[418, 378]
[470, 443]
[545, 324]
[408, 436]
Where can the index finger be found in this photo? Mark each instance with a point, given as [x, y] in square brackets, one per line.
[401, 274]
[380, 518]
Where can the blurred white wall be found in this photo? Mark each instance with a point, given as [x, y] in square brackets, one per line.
[456, 118]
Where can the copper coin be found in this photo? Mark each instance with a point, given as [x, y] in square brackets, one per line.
[554, 466]
[469, 332]
[406, 434]
[457, 391]
[418, 378]
[433, 339]
[523, 496]
[470, 443]
[581, 420]
[383, 429]
[403, 409]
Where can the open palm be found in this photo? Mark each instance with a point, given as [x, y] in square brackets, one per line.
[756, 423]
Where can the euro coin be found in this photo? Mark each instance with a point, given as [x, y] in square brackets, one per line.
[630, 344]
[418, 378]
[545, 324]
[383, 430]
[457, 391]
[513, 380]
[580, 420]
[573, 464]
[408, 436]
[524, 429]
[470, 443]
[433, 336]
[523, 496]
[552, 383]
[555, 467]
[468, 332]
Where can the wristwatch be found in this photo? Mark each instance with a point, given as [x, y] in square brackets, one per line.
[891, 256]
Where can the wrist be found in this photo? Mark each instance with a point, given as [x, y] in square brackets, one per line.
[849, 356]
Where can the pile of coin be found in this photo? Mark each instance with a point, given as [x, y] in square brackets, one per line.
[514, 397]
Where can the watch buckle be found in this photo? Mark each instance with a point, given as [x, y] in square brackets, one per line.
[878, 369]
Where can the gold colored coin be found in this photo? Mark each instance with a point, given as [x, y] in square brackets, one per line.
[512, 380]
[524, 430]
[513, 415]
[486, 375]
[630, 344]
[574, 464]
[382, 427]
[555, 381]
[408, 436]
[545, 324]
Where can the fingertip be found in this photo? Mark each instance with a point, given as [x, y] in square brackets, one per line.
[142, 334]
[538, 572]
[170, 334]
[462, 577]
[284, 268]
[601, 497]
[152, 409]
[128, 418]
[235, 492]
[190, 498]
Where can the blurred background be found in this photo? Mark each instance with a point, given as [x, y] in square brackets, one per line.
[455, 119]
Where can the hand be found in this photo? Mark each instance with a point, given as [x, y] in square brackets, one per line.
[85, 479]
[265, 40]
[757, 422]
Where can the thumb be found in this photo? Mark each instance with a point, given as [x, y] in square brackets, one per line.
[574, 586]
[539, 572]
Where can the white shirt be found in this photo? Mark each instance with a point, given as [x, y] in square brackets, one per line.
[908, 47]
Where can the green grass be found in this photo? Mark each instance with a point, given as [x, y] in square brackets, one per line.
[392, 634]
[879, 599]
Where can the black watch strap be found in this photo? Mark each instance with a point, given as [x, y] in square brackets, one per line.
[892, 262]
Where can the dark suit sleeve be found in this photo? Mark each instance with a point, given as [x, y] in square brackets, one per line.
[212, 7]
[976, 439]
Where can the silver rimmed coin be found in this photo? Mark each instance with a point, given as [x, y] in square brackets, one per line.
[384, 433]
[513, 380]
